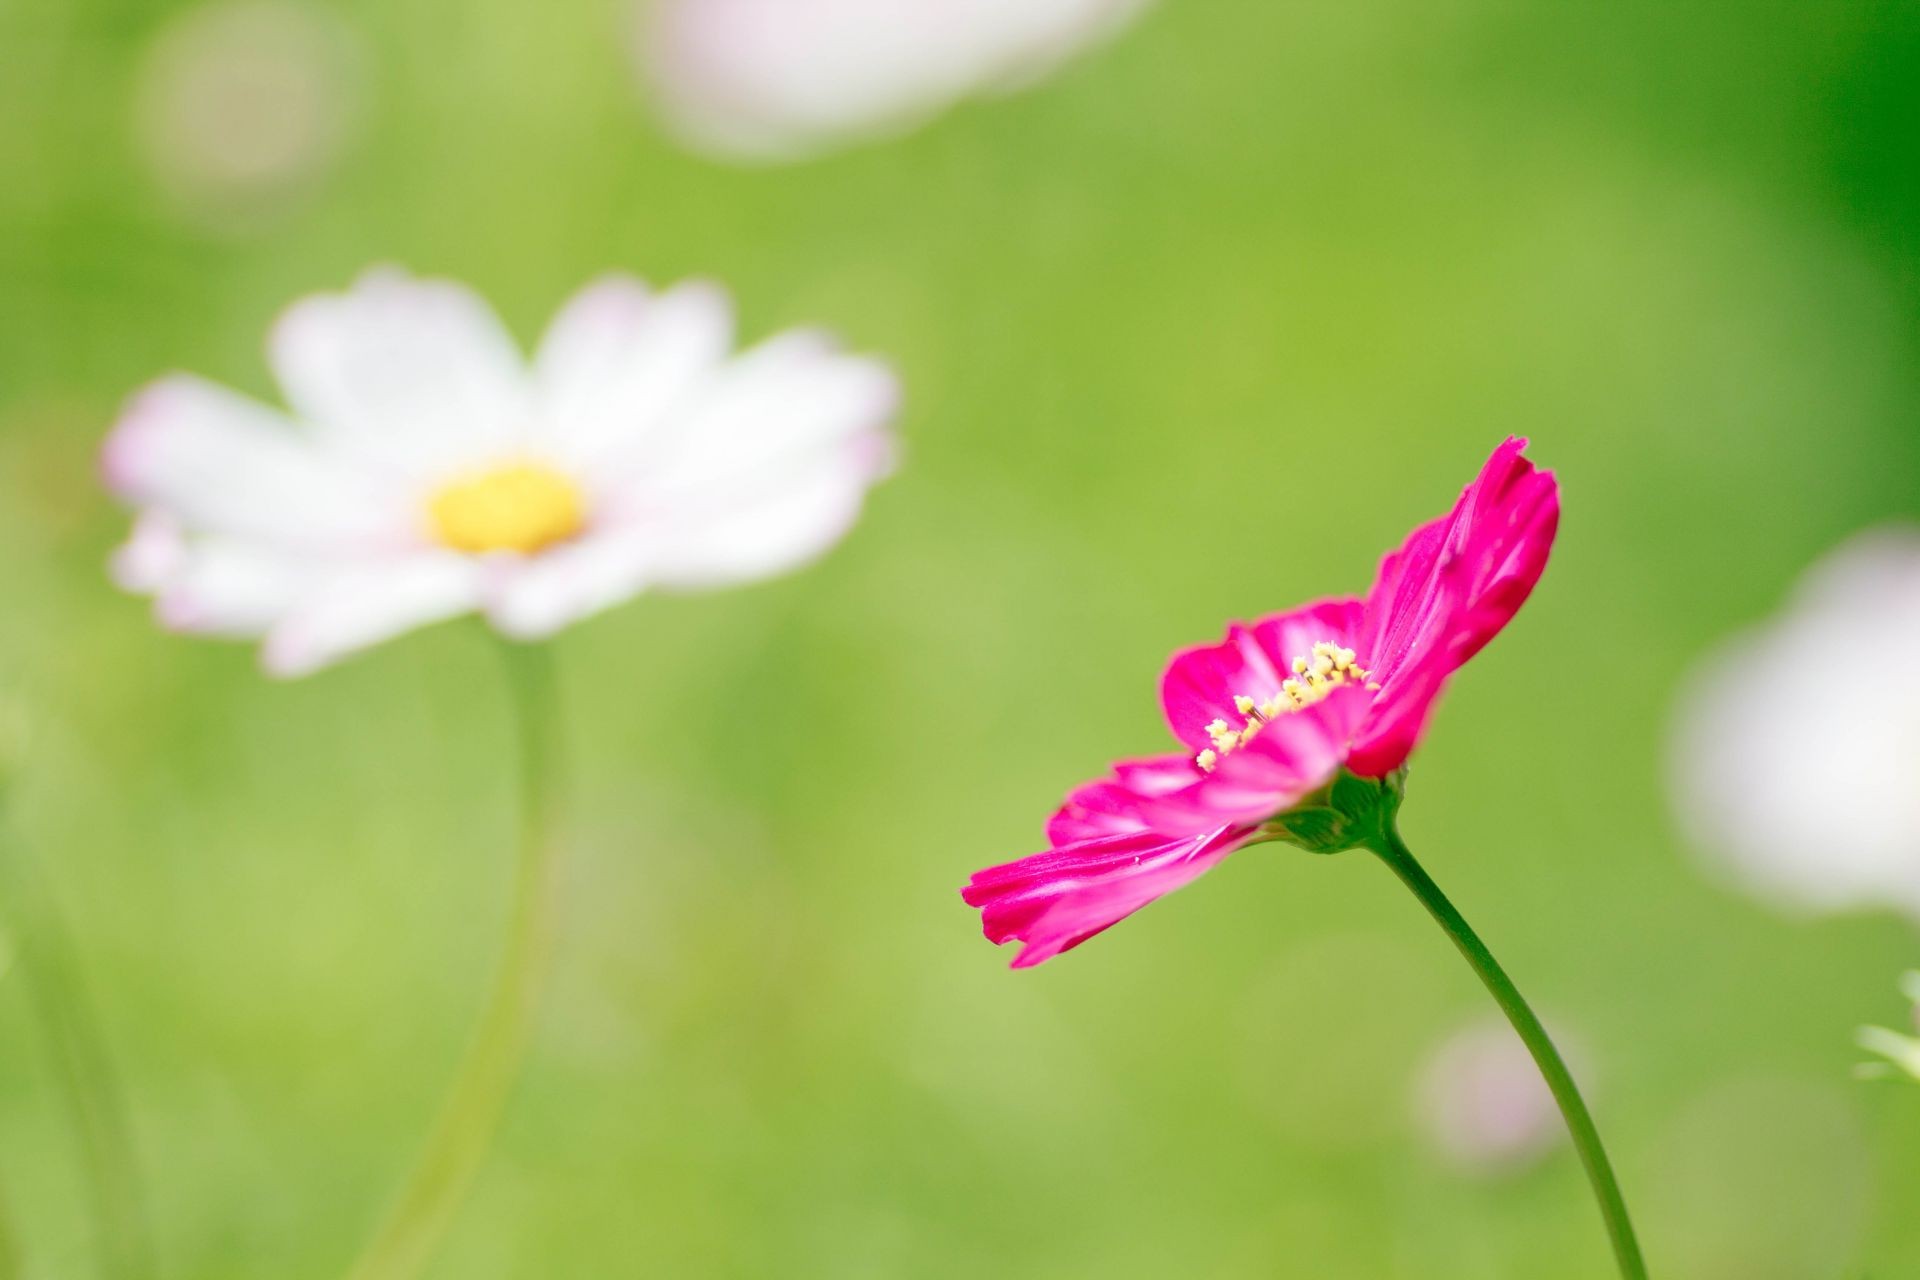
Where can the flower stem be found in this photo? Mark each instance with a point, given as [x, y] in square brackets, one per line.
[85, 1071]
[473, 1105]
[1586, 1139]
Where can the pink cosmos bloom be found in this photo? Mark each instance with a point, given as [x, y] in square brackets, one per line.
[427, 469]
[1270, 718]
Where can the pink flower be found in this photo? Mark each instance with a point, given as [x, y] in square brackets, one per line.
[1286, 725]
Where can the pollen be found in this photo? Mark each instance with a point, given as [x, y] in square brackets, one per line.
[1316, 673]
[521, 507]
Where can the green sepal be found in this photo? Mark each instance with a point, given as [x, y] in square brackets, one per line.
[1348, 813]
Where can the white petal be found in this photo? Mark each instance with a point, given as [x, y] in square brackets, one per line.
[617, 360]
[215, 460]
[359, 605]
[229, 588]
[777, 78]
[151, 555]
[1797, 745]
[413, 376]
[777, 522]
[535, 598]
[789, 401]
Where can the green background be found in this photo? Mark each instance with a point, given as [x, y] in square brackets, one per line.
[1194, 331]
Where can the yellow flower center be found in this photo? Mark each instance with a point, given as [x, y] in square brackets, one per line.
[1316, 674]
[516, 506]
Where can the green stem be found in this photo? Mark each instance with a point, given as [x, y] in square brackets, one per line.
[471, 1112]
[1586, 1139]
[85, 1072]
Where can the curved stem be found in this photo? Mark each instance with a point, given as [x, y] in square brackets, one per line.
[85, 1071]
[1586, 1139]
[471, 1112]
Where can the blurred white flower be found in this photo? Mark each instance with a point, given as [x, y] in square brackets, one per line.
[428, 471]
[1796, 763]
[1899, 1050]
[1482, 1103]
[775, 79]
[240, 104]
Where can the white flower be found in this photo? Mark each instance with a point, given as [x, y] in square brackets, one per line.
[1481, 1100]
[1900, 1050]
[1797, 756]
[240, 105]
[779, 78]
[428, 470]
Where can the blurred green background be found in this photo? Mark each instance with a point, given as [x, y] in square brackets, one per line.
[1194, 331]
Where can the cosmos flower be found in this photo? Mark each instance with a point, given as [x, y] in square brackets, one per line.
[242, 106]
[1481, 1101]
[1900, 1050]
[1807, 798]
[776, 79]
[427, 470]
[1277, 717]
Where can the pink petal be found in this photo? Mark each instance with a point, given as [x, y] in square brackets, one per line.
[1446, 592]
[1056, 900]
[1201, 683]
[1290, 758]
[1110, 806]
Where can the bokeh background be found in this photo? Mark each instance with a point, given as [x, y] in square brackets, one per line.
[1194, 330]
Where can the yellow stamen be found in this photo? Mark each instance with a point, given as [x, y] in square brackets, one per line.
[1317, 673]
[521, 507]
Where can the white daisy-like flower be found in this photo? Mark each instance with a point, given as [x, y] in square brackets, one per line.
[428, 470]
[1796, 764]
[777, 79]
[1899, 1050]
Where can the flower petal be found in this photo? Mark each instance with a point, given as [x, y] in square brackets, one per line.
[775, 79]
[152, 554]
[534, 598]
[1201, 683]
[1447, 591]
[1056, 900]
[355, 606]
[1291, 757]
[792, 399]
[618, 359]
[1111, 805]
[228, 587]
[216, 461]
[411, 376]
[767, 522]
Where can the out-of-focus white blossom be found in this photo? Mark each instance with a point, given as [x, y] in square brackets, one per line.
[1481, 1101]
[242, 104]
[777, 79]
[1898, 1049]
[1796, 762]
[427, 469]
